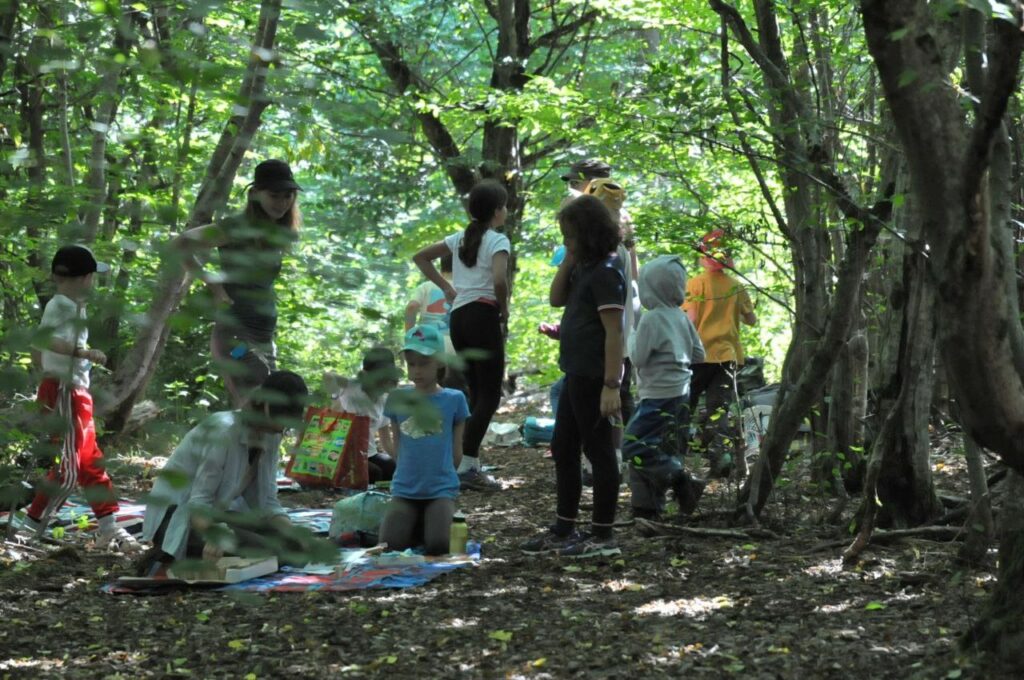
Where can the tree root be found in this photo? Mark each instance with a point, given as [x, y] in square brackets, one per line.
[652, 528]
[882, 537]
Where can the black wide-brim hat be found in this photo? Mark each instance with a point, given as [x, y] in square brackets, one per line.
[274, 175]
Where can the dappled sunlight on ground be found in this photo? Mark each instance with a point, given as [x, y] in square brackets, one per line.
[675, 606]
[691, 607]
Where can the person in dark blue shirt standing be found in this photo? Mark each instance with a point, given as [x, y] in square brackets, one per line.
[591, 287]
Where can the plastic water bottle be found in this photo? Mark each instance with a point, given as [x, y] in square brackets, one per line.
[459, 535]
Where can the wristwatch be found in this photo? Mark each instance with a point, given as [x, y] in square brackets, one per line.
[613, 384]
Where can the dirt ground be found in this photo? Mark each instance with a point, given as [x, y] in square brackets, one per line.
[669, 606]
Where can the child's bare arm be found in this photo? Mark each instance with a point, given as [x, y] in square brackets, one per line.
[388, 440]
[334, 383]
[611, 319]
[199, 239]
[424, 259]
[457, 432]
[560, 284]
[61, 346]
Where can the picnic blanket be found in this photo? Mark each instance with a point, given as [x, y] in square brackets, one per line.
[362, 572]
[76, 516]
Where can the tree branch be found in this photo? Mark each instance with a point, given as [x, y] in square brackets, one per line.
[1004, 69]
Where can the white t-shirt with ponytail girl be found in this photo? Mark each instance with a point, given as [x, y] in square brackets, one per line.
[475, 283]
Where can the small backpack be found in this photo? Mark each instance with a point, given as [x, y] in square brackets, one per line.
[362, 512]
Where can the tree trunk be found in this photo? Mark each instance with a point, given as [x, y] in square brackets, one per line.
[108, 97]
[1000, 631]
[838, 470]
[140, 362]
[963, 209]
[961, 184]
[979, 525]
[790, 409]
[903, 480]
[30, 91]
[8, 24]
[136, 212]
[821, 327]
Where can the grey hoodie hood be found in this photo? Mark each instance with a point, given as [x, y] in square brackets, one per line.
[665, 342]
[663, 282]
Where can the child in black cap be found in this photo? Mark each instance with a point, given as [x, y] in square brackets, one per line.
[66, 360]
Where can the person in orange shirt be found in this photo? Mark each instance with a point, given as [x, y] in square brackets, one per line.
[716, 303]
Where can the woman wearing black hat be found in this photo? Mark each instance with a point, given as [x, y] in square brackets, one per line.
[251, 246]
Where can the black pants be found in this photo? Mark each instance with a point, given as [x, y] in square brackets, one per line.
[715, 381]
[477, 327]
[579, 426]
[381, 468]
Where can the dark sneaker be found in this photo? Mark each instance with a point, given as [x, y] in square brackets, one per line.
[478, 480]
[688, 491]
[588, 546]
[547, 541]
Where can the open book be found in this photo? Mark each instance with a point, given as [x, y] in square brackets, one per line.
[224, 571]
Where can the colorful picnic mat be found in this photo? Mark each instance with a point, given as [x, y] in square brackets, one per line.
[362, 572]
[76, 516]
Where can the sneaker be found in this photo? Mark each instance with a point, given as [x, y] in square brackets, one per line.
[117, 540]
[478, 480]
[589, 545]
[688, 491]
[548, 541]
[25, 530]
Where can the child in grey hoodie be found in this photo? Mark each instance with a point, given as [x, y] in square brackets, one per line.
[663, 346]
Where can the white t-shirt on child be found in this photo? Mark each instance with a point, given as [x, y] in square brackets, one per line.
[353, 399]
[65, 319]
[474, 283]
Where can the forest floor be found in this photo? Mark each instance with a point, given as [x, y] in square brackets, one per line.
[713, 607]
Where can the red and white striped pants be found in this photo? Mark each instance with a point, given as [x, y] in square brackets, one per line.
[81, 461]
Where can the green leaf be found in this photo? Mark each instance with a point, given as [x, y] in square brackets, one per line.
[501, 635]
[874, 606]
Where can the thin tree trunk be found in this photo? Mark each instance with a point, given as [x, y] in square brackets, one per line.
[30, 90]
[65, 134]
[8, 25]
[789, 410]
[140, 362]
[979, 526]
[108, 96]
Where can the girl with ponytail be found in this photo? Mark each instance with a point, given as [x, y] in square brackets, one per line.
[478, 293]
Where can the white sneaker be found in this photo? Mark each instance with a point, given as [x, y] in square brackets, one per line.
[117, 540]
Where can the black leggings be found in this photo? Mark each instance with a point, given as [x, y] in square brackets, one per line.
[580, 425]
[477, 327]
[715, 382]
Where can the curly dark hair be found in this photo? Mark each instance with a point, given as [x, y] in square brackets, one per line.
[597, 234]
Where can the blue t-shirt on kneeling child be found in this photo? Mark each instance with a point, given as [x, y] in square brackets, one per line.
[425, 466]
